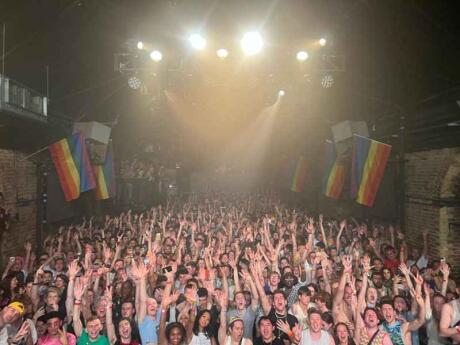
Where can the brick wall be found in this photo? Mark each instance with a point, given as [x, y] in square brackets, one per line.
[432, 202]
[18, 183]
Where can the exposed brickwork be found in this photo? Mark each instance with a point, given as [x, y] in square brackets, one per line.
[432, 194]
[18, 183]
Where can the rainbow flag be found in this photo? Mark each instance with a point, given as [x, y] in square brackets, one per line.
[334, 172]
[105, 178]
[368, 165]
[300, 175]
[73, 166]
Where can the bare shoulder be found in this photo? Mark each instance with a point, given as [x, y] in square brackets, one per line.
[447, 307]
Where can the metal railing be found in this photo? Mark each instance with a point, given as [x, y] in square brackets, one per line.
[17, 97]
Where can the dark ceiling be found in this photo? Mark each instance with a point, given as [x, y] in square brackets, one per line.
[398, 54]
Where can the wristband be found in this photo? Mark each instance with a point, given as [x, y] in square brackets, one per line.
[77, 303]
[457, 328]
[290, 334]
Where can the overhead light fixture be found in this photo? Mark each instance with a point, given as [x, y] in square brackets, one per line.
[252, 43]
[322, 42]
[454, 124]
[281, 93]
[140, 45]
[222, 53]
[327, 81]
[197, 41]
[134, 82]
[156, 55]
[302, 55]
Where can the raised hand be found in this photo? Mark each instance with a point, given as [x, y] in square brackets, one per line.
[22, 333]
[418, 297]
[403, 268]
[283, 326]
[107, 254]
[445, 270]
[62, 337]
[347, 264]
[418, 279]
[73, 269]
[108, 293]
[78, 289]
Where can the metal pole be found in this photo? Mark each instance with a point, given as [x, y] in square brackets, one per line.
[3, 49]
[47, 83]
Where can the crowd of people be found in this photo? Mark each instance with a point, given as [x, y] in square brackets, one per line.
[228, 270]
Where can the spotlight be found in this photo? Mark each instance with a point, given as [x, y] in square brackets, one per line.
[281, 93]
[156, 56]
[140, 45]
[322, 42]
[197, 41]
[327, 81]
[302, 55]
[134, 82]
[222, 53]
[251, 43]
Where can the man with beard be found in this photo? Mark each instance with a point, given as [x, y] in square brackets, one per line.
[377, 283]
[367, 329]
[400, 332]
[266, 330]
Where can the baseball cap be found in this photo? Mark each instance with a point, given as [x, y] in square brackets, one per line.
[18, 306]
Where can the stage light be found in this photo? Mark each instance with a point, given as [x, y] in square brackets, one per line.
[302, 55]
[222, 53]
[327, 81]
[134, 82]
[322, 42]
[140, 45]
[197, 41]
[281, 93]
[156, 56]
[251, 43]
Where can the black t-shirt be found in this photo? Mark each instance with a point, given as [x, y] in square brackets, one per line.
[290, 319]
[276, 341]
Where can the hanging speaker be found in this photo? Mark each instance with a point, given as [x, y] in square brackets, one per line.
[345, 130]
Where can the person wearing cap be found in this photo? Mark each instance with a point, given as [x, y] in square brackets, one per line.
[241, 310]
[235, 326]
[55, 334]
[10, 315]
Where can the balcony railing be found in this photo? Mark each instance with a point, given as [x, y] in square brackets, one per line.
[18, 99]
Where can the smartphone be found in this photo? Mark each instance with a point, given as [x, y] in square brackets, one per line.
[12, 259]
[443, 259]
[167, 269]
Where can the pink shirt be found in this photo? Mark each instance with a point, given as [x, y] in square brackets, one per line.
[47, 340]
